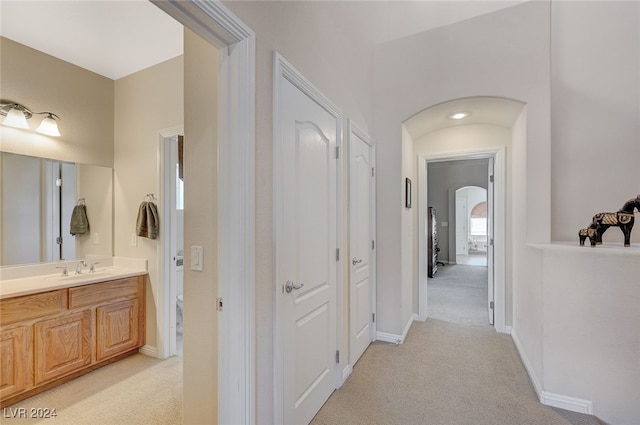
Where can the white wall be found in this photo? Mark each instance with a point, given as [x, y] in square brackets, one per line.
[590, 339]
[595, 113]
[462, 60]
[324, 41]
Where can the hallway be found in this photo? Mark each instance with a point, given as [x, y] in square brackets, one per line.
[452, 369]
[458, 294]
[444, 373]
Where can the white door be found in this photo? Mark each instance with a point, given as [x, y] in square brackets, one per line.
[306, 243]
[361, 258]
[462, 238]
[490, 238]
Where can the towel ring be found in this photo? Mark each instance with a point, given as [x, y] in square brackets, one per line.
[81, 201]
[151, 197]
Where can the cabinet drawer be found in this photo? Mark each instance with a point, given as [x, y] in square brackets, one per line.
[100, 292]
[19, 309]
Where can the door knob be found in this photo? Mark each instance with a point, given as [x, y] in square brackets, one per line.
[290, 286]
[356, 261]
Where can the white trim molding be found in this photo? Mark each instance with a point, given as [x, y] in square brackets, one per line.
[166, 304]
[212, 21]
[547, 398]
[500, 227]
[395, 338]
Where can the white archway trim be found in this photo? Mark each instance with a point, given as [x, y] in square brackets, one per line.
[499, 155]
[212, 21]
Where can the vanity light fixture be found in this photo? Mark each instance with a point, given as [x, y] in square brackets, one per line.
[17, 116]
[459, 115]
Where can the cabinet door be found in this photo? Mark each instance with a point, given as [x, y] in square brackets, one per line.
[62, 345]
[117, 328]
[15, 360]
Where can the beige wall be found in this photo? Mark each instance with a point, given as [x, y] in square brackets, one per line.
[95, 185]
[200, 229]
[145, 103]
[84, 101]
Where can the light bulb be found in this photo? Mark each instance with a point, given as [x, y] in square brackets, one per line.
[49, 126]
[16, 118]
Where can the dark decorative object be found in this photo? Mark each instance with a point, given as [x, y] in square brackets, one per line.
[407, 190]
[623, 218]
[590, 232]
[432, 243]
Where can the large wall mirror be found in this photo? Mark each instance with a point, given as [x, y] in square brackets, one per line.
[37, 202]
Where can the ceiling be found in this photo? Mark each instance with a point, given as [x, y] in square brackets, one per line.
[115, 38]
[111, 38]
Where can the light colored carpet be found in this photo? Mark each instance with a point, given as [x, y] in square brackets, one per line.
[444, 374]
[138, 390]
[458, 294]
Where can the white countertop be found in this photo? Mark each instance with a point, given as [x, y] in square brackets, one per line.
[14, 283]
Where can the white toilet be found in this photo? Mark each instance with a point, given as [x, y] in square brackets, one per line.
[179, 305]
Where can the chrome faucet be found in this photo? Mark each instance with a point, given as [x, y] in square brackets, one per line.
[65, 272]
[93, 267]
[80, 266]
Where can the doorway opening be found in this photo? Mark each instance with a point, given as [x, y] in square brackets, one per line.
[471, 226]
[461, 208]
[172, 195]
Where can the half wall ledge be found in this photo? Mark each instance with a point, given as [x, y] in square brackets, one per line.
[606, 248]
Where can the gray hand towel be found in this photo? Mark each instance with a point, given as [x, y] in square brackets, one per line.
[147, 223]
[79, 221]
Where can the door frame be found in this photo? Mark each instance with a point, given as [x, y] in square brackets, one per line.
[284, 70]
[236, 42]
[166, 310]
[499, 155]
[353, 131]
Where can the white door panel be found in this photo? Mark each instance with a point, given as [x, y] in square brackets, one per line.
[306, 251]
[490, 238]
[361, 250]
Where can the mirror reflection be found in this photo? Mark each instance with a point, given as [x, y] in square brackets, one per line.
[38, 199]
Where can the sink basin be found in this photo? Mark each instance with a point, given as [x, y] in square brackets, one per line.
[84, 276]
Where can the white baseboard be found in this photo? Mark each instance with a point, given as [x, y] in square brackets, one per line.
[346, 372]
[547, 398]
[567, 403]
[508, 330]
[395, 338]
[150, 351]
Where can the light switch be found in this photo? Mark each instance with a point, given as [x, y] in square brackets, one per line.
[95, 238]
[444, 224]
[196, 258]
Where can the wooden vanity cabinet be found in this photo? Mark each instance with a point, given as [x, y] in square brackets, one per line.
[51, 337]
[16, 355]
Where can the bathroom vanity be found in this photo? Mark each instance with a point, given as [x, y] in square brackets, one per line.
[54, 328]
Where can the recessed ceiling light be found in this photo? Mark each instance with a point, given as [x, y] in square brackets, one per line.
[459, 115]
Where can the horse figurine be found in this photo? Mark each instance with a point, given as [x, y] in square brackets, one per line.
[590, 232]
[623, 219]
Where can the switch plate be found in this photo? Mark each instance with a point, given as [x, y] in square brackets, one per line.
[134, 239]
[196, 258]
[95, 238]
[444, 224]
